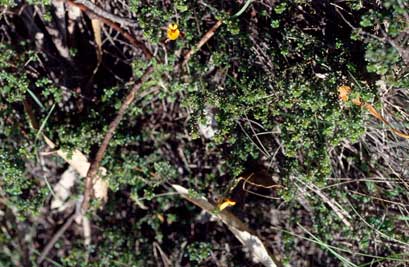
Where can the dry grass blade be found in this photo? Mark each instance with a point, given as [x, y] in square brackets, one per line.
[336, 207]
[240, 230]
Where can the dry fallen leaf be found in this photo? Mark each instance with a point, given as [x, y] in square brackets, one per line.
[101, 187]
[62, 189]
[240, 230]
[80, 163]
[96, 28]
[344, 92]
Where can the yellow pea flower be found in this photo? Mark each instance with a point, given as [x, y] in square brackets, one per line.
[226, 203]
[344, 92]
[173, 31]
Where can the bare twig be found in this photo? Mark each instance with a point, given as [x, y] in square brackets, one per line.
[202, 41]
[89, 6]
[96, 12]
[379, 199]
[92, 172]
[337, 208]
[56, 237]
[93, 169]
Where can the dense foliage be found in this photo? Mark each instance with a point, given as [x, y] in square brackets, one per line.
[265, 83]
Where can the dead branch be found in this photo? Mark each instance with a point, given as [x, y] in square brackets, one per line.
[56, 237]
[92, 172]
[93, 169]
[89, 6]
[106, 18]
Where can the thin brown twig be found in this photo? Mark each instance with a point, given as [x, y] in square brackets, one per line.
[202, 41]
[56, 236]
[379, 199]
[337, 208]
[93, 169]
[247, 181]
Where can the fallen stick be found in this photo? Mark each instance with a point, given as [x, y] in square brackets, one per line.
[88, 5]
[82, 164]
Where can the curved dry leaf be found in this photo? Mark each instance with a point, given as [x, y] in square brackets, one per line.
[344, 92]
[255, 246]
[101, 187]
[240, 230]
[80, 163]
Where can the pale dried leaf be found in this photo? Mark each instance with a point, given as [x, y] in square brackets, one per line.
[62, 189]
[101, 188]
[254, 245]
[86, 227]
[96, 28]
[80, 163]
[240, 230]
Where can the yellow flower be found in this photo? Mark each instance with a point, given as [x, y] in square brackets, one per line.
[344, 92]
[173, 31]
[226, 203]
